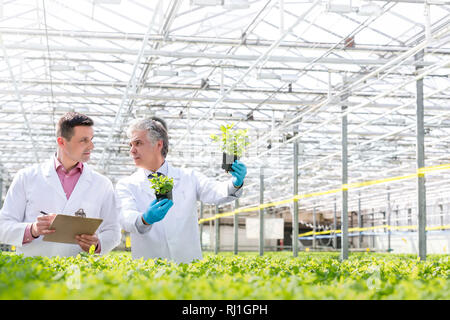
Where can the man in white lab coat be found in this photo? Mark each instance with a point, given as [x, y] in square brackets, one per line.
[64, 184]
[167, 229]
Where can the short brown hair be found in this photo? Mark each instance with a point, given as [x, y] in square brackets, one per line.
[69, 121]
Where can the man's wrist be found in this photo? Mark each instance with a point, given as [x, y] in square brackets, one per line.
[143, 220]
[240, 186]
[31, 231]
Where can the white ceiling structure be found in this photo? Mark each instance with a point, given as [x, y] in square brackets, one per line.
[274, 67]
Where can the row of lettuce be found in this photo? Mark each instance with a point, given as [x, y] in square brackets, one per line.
[225, 276]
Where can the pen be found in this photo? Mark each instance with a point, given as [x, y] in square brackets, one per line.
[44, 213]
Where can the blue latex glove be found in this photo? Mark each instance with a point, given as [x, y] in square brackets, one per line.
[239, 172]
[157, 210]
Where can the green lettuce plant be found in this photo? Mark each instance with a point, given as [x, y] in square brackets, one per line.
[232, 141]
[161, 184]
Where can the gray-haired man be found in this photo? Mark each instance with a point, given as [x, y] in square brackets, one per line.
[167, 229]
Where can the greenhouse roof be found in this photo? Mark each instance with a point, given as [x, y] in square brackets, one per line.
[285, 70]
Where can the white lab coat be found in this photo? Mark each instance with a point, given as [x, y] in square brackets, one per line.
[38, 188]
[176, 237]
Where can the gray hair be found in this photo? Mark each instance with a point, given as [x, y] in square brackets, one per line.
[155, 131]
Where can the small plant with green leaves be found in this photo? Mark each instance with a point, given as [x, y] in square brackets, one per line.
[162, 185]
[233, 143]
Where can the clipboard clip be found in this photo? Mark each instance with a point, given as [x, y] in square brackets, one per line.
[80, 213]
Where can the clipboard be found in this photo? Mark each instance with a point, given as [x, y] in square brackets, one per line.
[67, 227]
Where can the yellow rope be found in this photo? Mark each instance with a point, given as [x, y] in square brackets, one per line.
[420, 173]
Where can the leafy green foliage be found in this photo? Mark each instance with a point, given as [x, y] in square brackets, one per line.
[161, 184]
[233, 141]
[225, 276]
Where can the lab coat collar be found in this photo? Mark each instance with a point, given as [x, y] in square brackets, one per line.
[163, 169]
[171, 172]
[49, 171]
[58, 164]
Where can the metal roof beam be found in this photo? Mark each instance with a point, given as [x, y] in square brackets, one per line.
[196, 40]
[201, 55]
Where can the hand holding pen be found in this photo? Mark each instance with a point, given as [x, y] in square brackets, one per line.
[42, 224]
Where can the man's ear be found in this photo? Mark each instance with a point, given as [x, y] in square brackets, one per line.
[60, 141]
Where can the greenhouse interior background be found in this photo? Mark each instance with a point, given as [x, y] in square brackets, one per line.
[346, 105]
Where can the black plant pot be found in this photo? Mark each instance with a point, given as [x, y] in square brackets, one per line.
[167, 195]
[227, 161]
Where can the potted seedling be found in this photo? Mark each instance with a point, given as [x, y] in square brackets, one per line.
[162, 185]
[233, 144]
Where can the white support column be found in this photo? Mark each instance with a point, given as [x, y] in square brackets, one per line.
[388, 219]
[344, 159]
[314, 241]
[335, 242]
[420, 154]
[295, 212]
[217, 232]
[201, 225]
[261, 212]
[236, 228]
[359, 220]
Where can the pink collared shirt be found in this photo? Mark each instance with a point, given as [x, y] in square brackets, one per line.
[68, 181]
